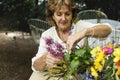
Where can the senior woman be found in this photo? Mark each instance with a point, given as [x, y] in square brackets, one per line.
[61, 14]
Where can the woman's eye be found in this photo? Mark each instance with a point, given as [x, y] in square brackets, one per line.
[67, 14]
[59, 14]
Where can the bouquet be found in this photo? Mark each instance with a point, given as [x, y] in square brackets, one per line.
[98, 63]
[106, 65]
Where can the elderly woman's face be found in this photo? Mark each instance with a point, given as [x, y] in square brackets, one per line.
[63, 18]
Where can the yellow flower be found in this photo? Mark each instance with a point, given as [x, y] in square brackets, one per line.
[94, 72]
[98, 66]
[118, 71]
[103, 61]
[100, 56]
[116, 53]
[95, 51]
[115, 45]
[110, 45]
[99, 62]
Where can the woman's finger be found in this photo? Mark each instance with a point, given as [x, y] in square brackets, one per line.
[51, 60]
[69, 44]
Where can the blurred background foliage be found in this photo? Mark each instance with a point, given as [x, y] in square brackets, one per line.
[14, 14]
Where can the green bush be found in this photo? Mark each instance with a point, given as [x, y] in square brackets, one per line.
[18, 11]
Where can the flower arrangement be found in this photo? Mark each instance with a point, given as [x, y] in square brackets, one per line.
[106, 65]
[98, 63]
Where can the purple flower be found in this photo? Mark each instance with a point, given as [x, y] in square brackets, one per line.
[58, 46]
[48, 41]
[113, 41]
[59, 55]
[54, 47]
[52, 51]
[70, 32]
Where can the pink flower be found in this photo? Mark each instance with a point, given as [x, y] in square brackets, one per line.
[107, 50]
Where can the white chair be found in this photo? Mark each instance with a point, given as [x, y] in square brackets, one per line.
[115, 35]
[37, 26]
[91, 14]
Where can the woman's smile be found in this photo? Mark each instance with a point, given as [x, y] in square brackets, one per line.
[63, 23]
[63, 18]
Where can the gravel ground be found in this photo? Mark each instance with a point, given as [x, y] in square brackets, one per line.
[16, 52]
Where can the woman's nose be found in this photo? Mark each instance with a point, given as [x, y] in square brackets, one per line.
[63, 17]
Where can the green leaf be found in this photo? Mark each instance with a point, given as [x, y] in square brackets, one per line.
[80, 52]
[67, 57]
[107, 75]
[74, 64]
[109, 61]
[86, 62]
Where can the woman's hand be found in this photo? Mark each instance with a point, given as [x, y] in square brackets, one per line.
[73, 39]
[51, 60]
[47, 59]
